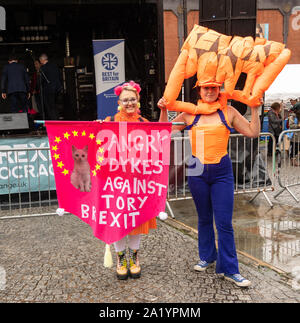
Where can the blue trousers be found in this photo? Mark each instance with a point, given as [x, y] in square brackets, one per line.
[212, 189]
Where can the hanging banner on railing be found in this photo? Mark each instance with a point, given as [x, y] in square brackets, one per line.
[25, 165]
[113, 175]
[109, 72]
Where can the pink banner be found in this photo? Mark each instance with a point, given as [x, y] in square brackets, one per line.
[112, 175]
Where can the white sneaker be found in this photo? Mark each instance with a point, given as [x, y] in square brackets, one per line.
[202, 265]
[238, 279]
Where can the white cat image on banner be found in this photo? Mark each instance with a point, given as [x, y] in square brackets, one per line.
[81, 177]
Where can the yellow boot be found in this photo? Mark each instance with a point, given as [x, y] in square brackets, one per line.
[122, 270]
[134, 264]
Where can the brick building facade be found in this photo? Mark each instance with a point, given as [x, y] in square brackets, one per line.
[282, 19]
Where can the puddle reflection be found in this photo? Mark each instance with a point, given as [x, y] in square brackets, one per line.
[268, 234]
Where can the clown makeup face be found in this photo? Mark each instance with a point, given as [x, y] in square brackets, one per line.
[209, 94]
[128, 100]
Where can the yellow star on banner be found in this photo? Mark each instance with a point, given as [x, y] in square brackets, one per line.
[94, 172]
[99, 142]
[54, 148]
[101, 150]
[100, 159]
[57, 139]
[65, 172]
[56, 156]
[75, 133]
[60, 164]
[98, 166]
[66, 135]
[83, 133]
[92, 136]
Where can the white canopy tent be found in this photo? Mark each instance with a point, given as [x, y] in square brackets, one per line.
[285, 86]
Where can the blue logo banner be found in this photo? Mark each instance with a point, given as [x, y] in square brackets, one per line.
[109, 72]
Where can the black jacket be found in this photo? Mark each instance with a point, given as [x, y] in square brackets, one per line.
[51, 81]
[275, 123]
[14, 78]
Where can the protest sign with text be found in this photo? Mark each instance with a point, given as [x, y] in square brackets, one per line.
[112, 175]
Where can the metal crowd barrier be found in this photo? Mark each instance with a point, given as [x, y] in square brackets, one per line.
[288, 161]
[26, 187]
[24, 195]
[253, 170]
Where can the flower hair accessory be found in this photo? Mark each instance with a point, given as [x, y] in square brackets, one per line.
[118, 89]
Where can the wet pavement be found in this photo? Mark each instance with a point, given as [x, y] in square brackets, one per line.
[268, 235]
[57, 259]
[52, 259]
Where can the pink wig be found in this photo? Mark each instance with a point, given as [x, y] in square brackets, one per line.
[118, 89]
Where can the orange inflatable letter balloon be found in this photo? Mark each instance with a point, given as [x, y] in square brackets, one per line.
[218, 59]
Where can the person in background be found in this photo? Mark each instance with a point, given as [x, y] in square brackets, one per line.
[259, 31]
[35, 87]
[15, 85]
[294, 123]
[50, 86]
[275, 124]
[129, 98]
[294, 102]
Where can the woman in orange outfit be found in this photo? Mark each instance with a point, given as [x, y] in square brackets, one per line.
[129, 104]
[210, 175]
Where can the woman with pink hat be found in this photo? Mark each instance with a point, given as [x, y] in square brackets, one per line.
[129, 97]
